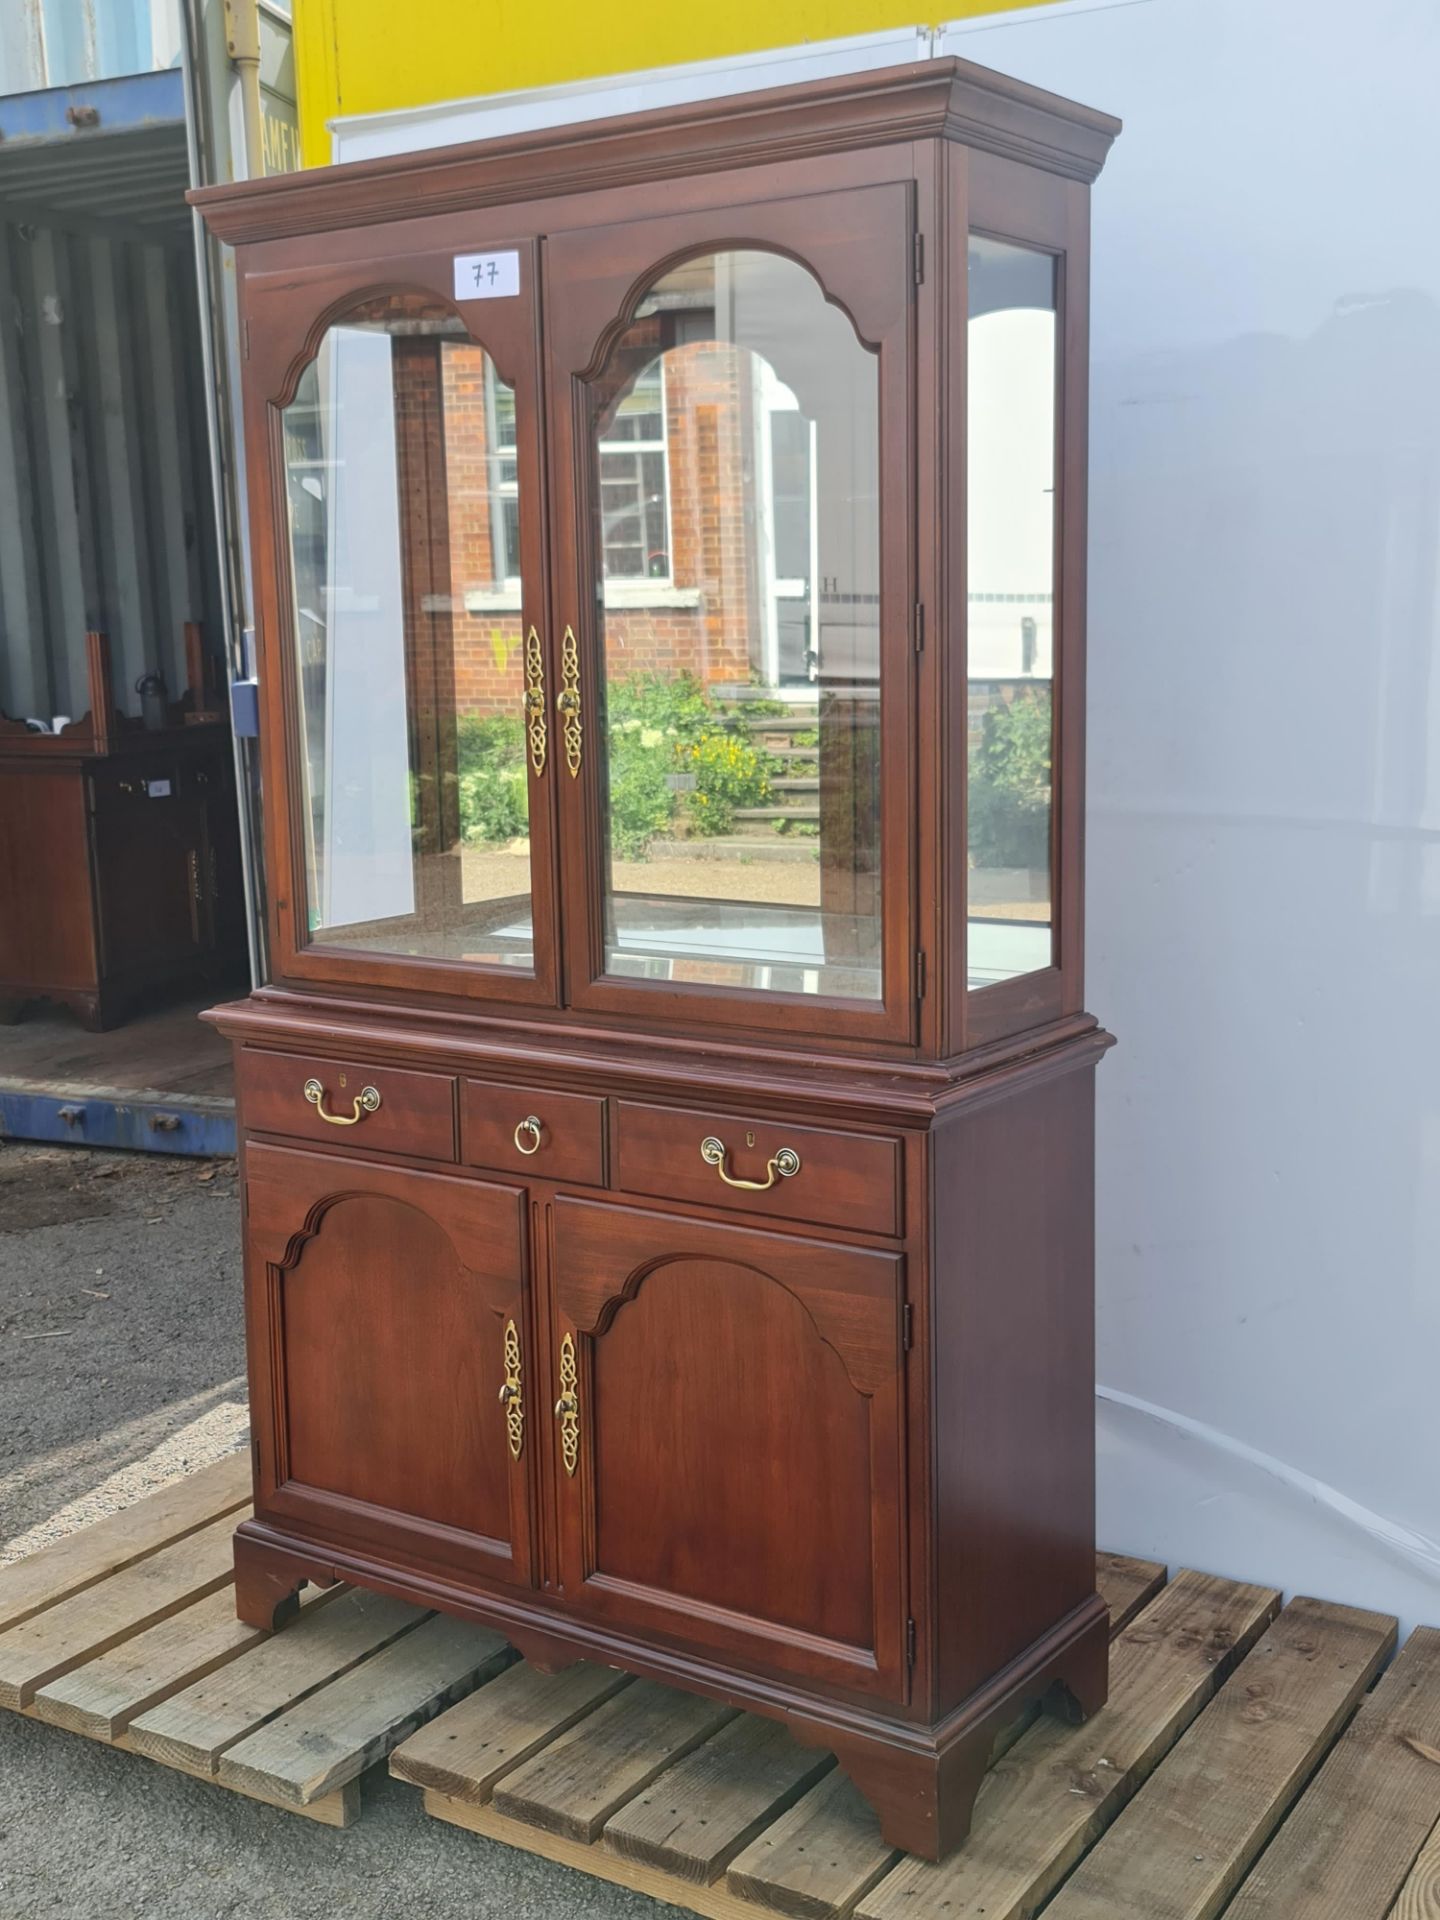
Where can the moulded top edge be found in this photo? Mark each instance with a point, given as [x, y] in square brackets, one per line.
[947, 98]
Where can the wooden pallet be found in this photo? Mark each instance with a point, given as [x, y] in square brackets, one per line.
[1230, 1773]
[126, 1632]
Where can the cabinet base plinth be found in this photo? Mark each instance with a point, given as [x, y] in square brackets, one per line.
[921, 1780]
[924, 1791]
[268, 1582]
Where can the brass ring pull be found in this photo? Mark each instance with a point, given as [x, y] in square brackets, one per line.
[784, 1166]
[530, 1126]
[366, 1101]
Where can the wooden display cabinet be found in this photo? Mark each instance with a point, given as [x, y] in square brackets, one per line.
[668, 1135]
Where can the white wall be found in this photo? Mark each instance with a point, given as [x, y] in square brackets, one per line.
[1264, 875]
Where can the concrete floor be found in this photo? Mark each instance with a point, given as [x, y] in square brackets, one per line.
[121, 1365]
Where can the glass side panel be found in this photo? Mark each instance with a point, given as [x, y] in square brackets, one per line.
[1010, 398]
[737, 534]
[403, 495]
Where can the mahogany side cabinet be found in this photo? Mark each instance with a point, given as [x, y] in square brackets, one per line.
[668, 1133]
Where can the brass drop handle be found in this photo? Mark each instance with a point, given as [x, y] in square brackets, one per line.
[530, 1134]
[784, 1165]
[366, 1101]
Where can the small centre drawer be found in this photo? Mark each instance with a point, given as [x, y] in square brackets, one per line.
[770, 1168]
[534, 1130]
[390, 1109]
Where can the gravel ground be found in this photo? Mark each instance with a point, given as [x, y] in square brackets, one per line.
[121, 1367]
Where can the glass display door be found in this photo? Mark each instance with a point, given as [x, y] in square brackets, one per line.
[732, 588]
[411, 630]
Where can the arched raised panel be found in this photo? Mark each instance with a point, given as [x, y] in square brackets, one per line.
[740, 1449]
[754, 1416]
[386, 1299]
[392, 1363]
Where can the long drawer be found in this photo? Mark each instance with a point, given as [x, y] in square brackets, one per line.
[388, 1109]
[768, 1169]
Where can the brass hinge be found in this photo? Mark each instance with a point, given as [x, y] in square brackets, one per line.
[919, 257]
[255, 1455]
[919, 627]
[909, 1643]
[907, 1326]
[919, 973]
[245, 339]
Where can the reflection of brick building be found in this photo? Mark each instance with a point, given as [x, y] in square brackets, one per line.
[679, 541]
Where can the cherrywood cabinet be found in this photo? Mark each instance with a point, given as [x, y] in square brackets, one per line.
[668, 1134]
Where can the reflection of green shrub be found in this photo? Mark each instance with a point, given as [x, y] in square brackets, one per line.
[1010, 782]
[727, 774]
[676, 704]
[642, 803]
[491, 780]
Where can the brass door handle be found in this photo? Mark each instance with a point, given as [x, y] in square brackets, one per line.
[535, 701]
[567, 702]
[511, 1397]
[530, 1128]
[784, 1165]
[366, 1101]
[567, 1407]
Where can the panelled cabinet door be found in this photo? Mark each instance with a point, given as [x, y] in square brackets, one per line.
[733, 586]
[390, 1359]
[393, 422]
[728, 1437]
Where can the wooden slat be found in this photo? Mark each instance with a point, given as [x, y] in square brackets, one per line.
[195, 1726]
[1126, 1585]
[1060, 1786]
[1193, 1831]
[338, 1809]
[818, 1859]
[497, 1728]
[576, 1783]
[354, 1721]
[69, 1565]
[1348, 1848]
[714, 1903]
[697, 1815]
[101, 1698]
[90, 1623]
[1420, 1896]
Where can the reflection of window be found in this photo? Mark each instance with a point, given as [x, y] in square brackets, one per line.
[502, 474]
[634, 484]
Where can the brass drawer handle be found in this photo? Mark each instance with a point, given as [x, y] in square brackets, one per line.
[511, 1397]
[567, 702]
[784, 1166]
[531, 1128]
[366, 1101]
[567, 1407]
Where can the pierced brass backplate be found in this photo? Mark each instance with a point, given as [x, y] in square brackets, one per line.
[511, 1394]
[535, 726]
[567, 702]
[567, 1407]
